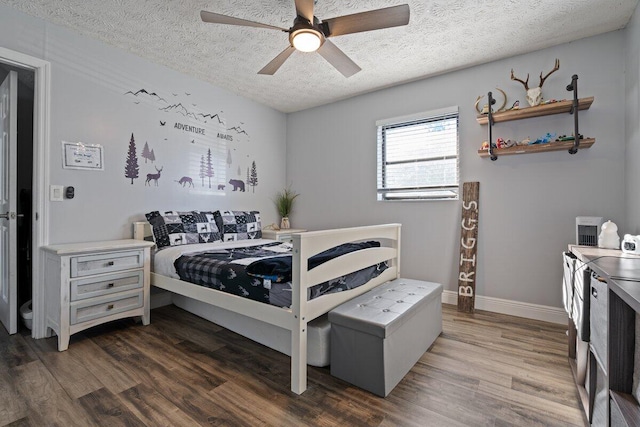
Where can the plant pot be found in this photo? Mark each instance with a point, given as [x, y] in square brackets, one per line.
[284, 223]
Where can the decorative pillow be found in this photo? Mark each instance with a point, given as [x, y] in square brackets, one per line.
[182, 228]
[238, 225]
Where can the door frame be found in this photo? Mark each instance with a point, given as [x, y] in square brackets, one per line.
[40, 211]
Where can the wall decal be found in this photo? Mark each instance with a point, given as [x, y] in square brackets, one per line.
[206, 168]
[189, 128]
[146, 153]
[201, 130]
[238, 184]
[153, 176]
[203, 167]
[185, 181]
[152, 95]
[239, 130]
[131, 164]
[252, 180]
[181, 109]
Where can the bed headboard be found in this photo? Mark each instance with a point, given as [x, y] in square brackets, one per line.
[141, 230]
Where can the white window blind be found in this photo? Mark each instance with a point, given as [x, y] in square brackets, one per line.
[418, 156]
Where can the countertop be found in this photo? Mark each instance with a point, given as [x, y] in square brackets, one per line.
[611, 263]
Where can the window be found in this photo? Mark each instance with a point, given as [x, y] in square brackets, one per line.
[418, 156]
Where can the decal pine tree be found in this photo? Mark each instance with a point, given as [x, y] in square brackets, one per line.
[253, 179]
[209, 168]
[229, 157]
[203, 169]
[131, 166]
[146, 154]
[152, 156]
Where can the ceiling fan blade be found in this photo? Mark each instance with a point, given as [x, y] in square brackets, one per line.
[277, 62]
[338, 59]
[304, 8]
[216, 18]
[366, 21]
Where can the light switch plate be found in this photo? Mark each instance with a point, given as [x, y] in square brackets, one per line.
[56, 193]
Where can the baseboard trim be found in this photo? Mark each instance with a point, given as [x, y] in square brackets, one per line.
[496, 305]
[513, 308]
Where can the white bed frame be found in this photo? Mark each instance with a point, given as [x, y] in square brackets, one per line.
[302, 311]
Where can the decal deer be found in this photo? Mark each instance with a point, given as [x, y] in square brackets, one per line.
[534, 95]
[153, 176]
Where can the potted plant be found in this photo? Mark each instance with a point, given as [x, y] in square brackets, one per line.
[284, 203]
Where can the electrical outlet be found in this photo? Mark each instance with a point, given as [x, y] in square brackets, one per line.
[56, 193]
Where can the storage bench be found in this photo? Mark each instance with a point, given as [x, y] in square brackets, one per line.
[377, 337]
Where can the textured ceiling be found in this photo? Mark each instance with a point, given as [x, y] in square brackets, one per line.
[442, 35]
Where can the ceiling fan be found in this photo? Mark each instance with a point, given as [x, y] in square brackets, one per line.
[310, 34]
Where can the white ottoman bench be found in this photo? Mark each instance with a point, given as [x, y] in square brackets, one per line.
[377, 337]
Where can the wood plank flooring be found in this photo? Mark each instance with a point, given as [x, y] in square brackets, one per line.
[485, 369]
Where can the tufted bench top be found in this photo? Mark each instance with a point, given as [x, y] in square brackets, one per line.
[382, 310]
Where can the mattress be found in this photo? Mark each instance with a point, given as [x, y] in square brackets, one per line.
[257, 269]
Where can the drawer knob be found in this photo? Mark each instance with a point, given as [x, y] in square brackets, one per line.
[110, 263]
[110, 285]
[110, 307]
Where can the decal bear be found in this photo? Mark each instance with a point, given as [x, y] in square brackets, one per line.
[238, 184]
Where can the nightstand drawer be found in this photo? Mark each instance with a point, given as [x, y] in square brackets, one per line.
[95, 308]
[106, 262]
[105, 285]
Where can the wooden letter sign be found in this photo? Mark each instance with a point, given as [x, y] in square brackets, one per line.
[468, 247]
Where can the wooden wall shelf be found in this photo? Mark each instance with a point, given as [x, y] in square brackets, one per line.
[541, 110]
[537, 148]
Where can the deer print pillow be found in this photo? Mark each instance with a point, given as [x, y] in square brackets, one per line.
[174, 228]
[239, 225]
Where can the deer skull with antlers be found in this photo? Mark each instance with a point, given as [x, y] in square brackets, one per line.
[534, 96]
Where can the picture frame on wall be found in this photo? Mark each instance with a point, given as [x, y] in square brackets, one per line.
[76, 155]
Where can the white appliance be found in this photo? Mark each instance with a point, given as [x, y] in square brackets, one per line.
[588, 230]
[631, 244]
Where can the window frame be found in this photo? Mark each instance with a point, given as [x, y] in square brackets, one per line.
[423, 192]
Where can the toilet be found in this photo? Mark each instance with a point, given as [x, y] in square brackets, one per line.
[26, 312]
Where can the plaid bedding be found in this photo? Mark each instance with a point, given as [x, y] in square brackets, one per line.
[226, 270]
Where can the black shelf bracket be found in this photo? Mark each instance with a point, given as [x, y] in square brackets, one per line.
[492, 101]
[573, 86]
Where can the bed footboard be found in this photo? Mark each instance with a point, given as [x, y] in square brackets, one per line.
[305, 245]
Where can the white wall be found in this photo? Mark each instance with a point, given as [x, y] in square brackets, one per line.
[528, 203]
[632, 122]
[89, 105]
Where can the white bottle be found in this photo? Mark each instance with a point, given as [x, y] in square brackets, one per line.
[608, 238]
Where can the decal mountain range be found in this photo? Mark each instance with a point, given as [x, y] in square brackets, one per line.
[181, 108]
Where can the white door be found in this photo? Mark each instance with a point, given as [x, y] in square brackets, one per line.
[8, 177]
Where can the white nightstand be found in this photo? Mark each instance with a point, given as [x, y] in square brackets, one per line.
[282, 235]
[87, 284]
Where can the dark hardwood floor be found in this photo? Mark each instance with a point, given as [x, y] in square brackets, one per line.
[485, 369]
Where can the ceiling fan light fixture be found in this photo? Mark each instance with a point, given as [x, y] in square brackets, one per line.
[306, 40]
